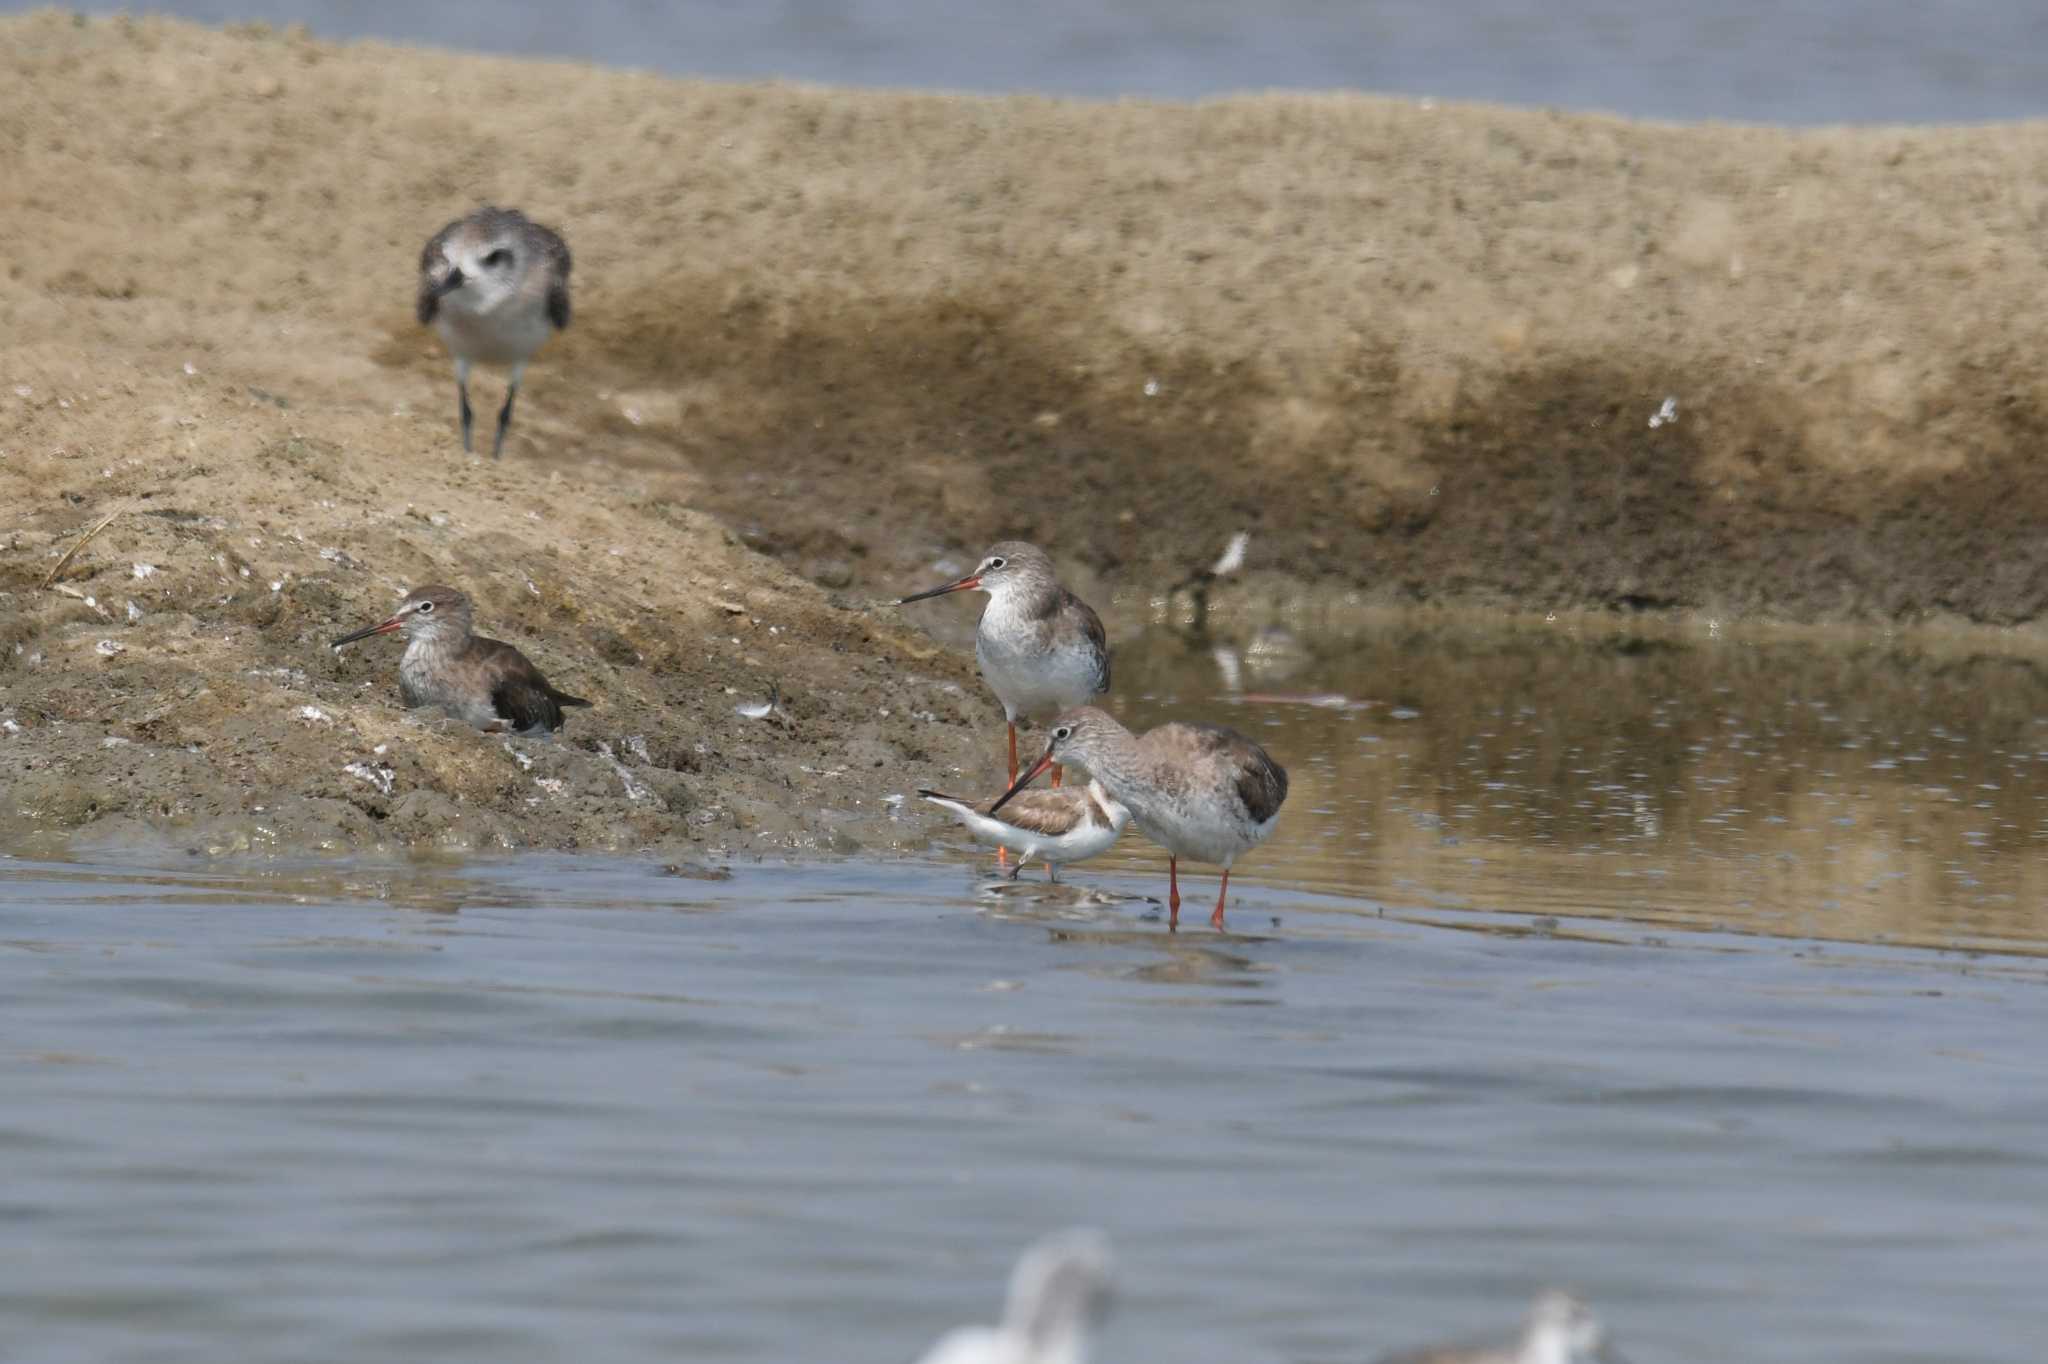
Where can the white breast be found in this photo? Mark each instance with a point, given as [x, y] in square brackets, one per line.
[508, 335]
[1031, 682]
[416, 687]
[1199, 830]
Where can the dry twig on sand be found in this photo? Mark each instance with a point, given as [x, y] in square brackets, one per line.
[72, 553]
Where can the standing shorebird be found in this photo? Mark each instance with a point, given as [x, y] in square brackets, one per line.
[1059, 1295]
[1041, 649]
[495, 285]
[479, 681]
[1560, 1330]
[1056, 827]
[1199, 791]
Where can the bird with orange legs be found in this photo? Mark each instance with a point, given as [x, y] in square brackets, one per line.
[1201, 792]
[1042, 649]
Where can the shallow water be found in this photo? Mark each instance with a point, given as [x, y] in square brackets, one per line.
[1868, 790]
[1820, 61]
[546, 1108]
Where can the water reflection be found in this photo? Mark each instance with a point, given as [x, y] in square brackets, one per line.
[1870, 790]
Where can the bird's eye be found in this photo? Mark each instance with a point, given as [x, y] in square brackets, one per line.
[996, 562]
[500, 257]
[426, 607]
[1063, 733]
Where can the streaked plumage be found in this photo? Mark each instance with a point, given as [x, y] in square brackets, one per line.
[480, 681]
[495, 286]
[1560, 1330]
[1199, 791]
[1059, 1295]
[1070, 824]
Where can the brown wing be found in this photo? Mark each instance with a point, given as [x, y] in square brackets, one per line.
[523, 697]
[1091, 626]
[556, 252]
[1042, 811]
[1261, 783]
[430, 254]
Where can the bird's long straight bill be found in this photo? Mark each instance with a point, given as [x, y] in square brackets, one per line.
[970, 581]
[382, 628]
[1044, 762]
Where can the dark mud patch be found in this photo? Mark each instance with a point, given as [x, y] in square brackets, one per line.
[874, 434]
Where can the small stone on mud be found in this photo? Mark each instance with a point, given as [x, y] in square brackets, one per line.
[833, 573]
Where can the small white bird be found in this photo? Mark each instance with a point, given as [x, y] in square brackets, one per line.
[495, 286]
[1560, 1330]
[1071, 824]
[1059, 1294]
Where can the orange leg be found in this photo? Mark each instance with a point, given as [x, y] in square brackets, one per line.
[1059, 774]
[1172, 892]
[1216, 919]
[1003, 854]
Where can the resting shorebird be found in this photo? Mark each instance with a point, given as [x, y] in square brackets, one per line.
[495, 286]
[482, 682]
[1056, 827]
[1059, 1294]
[1199, 791]
[1041, 648]
[1561, 1330]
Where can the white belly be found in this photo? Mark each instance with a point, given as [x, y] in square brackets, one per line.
[415, 688]
[508, 336]
[1035, 685]
[1076, 846]
[1199, 832]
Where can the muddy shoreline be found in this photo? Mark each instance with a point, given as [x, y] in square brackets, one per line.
[827, 340]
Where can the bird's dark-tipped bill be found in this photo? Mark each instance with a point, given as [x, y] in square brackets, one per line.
[972, 580]
[1044, 761]
[383, 628]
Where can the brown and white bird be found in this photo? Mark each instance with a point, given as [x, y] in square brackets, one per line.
[1042, 649]
[1056, 827]
[482, 682]
[495, 286]
[1560, 1330]
[1199, 791]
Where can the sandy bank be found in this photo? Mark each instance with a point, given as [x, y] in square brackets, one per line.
[824, 337]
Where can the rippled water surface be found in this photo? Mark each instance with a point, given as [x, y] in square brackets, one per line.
[1703, 976]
